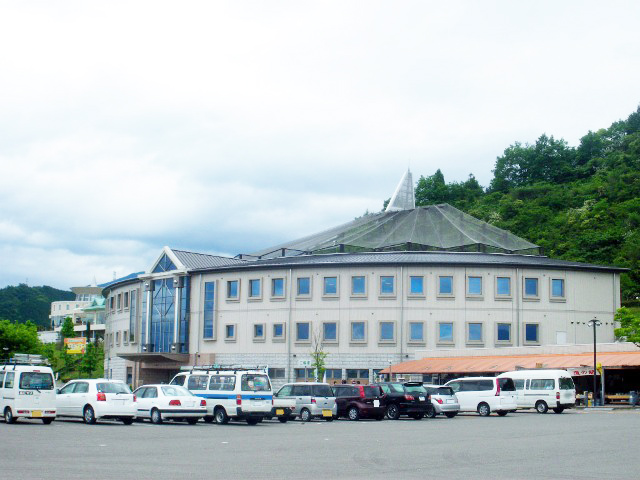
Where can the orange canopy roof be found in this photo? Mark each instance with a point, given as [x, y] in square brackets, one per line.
[505, 363]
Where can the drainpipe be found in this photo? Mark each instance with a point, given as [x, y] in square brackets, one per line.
[288, 333]
[178, 283]
[148, 346]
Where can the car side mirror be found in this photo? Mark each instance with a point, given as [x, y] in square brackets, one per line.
[57, 390]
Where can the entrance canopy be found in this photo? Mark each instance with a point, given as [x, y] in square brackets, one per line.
[506, 363]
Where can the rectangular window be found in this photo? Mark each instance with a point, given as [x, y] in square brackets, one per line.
[474, 285]
[126, 300]
[125, 337]
[278, 331]
[330, 332]
[133, 315]
[557, 288]
[358, 286]
[258, 331]
[474, 332]
[330, 285]
[445, 332]
[303, 332]
[416, 332]
[209, 307]
[503, 286]
[304, 286]
[416, 285]
[117, 339]
[445, 285]
[255, 288]
[530, 287]
[276, 373]
[230, 332]
[387, 286]
[504, 332]
[531, 333]
[232, 290]
[358, 332]
[387, 331]
[119, 301]
[277, 287]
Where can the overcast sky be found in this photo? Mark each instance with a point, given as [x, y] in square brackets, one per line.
[227, 127]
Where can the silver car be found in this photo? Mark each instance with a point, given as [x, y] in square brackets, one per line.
[443, 400]
[313, 400]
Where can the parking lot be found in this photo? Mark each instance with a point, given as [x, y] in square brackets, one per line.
[576, 444]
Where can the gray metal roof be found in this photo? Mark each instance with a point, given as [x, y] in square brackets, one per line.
[198, 261]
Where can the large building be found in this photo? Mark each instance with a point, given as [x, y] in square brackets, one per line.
[401, 284]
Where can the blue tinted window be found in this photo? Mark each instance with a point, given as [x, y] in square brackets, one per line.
[475, 332]
[330, 285]
[386, 285]
[357, 331]
[417, 285]
[531, 332]
[503, 284]
[254, 288]
[557, 287]
[258, 331]
[164, 265]
[278, 330]
[504, 332]
[230, 331]
[330, 331]
[531, 287]
[302, 331]
[475, 285]
[357, 285]
[304, 286]
[446, 332]
[446, 285]
[417, 332]
[209, 305]
[232, 289]
[386, 331]
[277, 287]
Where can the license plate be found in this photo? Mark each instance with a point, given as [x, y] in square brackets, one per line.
[327, 413]
[36, 413]
[376, 403]
[421, 399]
[279, 411]
[256, 402]
[450, 400]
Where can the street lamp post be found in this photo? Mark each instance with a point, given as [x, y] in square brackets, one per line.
[594, 323]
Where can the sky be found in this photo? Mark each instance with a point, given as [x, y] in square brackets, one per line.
[227, 127]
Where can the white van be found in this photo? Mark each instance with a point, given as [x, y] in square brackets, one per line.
[231, 393]
[27, 390]
[543, 389]
[485, 394]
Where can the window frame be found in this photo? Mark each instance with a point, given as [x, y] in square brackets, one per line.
[227, 337]
[524, 333]
[504, 342]
[228, 297]
[331, 340]
[250, 296]
[304, 296]
[412, 341]
[302, 340]
[284, 288]
[525, 296]
[557, 298]
[261, 338]
[475, 296]
[468, 333]
[324, 287]
[391, 294]
[391, 341]
[411, 293]
[362, 294]
[279, 338]
[439, 293]
[439, 339]
[503, 296]
[362, 341]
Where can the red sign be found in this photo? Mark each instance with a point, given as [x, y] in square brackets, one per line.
[581, 372]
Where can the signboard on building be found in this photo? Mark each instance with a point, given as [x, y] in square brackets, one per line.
[75, 346]
[581, 372]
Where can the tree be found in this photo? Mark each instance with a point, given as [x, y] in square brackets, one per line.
[629, 325]
[67, 330]
[318, 355]
[432, 190]
[18, 338]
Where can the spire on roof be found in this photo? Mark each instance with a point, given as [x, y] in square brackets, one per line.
[403, 198]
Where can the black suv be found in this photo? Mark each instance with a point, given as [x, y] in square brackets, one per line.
[409, 398]
[359, 401]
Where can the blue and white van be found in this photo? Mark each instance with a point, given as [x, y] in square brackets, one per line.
[231, 393]
[543, 389]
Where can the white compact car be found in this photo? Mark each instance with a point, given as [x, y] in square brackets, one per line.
[26, 391]
[443, 401]
[95, 399]
[485, 395]
[161, 402]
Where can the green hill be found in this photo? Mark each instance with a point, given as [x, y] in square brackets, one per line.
[22, 303]
[578, 203]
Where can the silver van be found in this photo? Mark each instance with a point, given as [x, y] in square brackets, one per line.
[313, 400]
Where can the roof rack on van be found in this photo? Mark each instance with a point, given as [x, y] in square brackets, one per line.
[25, 359]
[226, 368]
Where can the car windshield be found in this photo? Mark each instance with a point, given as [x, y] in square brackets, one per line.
[566, 383]
[176, 391]
[112, 387]
[419, 389]
[255, 383]
[507, 385]
[36, 381]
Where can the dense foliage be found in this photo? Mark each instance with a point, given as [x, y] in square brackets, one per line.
[578, 203]
[629, 320]
[23, 303]
[18, 338]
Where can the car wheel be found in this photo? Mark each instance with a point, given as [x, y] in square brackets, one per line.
[451, 414]
[8, 416]
[221, 416]
[208, 419]
[283, 419]
[484, 410]
[558, 410]
[89, 416]
[253, 421]
[305, 415]
[47, 421]
[156, 416]
[192, 421]
[393, 412]
[502, 413]
[541, 407]
[431, 412]
[353, 414]
[127, 420]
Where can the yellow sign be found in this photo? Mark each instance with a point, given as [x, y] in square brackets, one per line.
[75, 345]
[599, 368]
